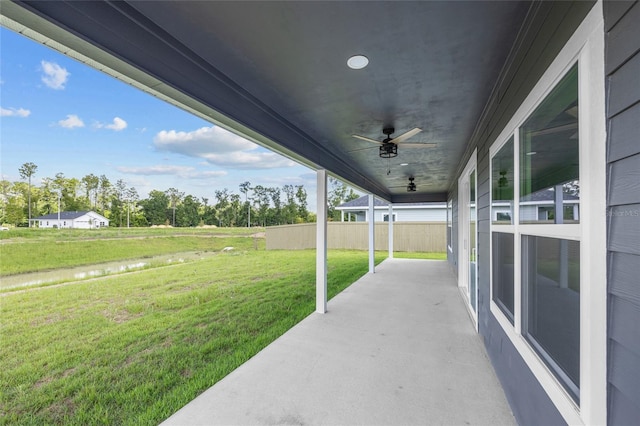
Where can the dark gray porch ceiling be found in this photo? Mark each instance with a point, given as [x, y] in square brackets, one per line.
[278, 69]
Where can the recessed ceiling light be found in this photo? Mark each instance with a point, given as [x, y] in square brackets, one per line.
[357, 62]
[404, 164]
[531, 153]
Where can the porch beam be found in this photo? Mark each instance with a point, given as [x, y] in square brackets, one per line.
[321, 243]
[372, 234]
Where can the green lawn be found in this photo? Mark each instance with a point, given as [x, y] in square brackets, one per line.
[134, 348]
[51, 249]
[32, 234]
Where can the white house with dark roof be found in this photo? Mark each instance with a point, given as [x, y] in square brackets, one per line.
[76, 220]
[357, 211]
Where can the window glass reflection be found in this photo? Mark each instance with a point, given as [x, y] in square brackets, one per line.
[502, 183]
[549, 178]
[503, 274]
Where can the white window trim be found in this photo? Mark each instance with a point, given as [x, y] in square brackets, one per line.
[586, 47]
[450, 224]
[463, 272]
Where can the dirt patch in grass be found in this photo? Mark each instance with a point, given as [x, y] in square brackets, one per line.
[43, 381]
[60, 410]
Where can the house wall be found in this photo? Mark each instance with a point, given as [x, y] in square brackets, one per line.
[622, 68]
[404, 214]
[551, 25]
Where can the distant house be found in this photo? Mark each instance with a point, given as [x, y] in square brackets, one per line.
[357, 211]
[76, 220]
[538, 207]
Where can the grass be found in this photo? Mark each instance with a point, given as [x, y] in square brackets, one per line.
[47, 250]
[133, 349]
[37, 234]
[420, 255]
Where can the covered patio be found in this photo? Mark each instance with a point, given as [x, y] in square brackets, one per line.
[396, 347]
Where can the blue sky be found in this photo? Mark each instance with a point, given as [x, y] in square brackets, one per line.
[67, 117]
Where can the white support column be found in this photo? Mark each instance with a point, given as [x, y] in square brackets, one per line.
[390, 231]
[372, 234]
[321, 243]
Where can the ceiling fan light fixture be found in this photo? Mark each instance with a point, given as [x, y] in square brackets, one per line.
[357, 62]
[388, 150]
[412, 186]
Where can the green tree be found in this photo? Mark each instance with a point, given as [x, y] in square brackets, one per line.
[222, 207]
[276, 210]
[49, 196]
[339, 192]
[301, 196]
[155, 207]
[91, 184]
[261, 198]
[290, 209]
[208, 212]
[174, 198]
[105, 190]
[187, 212]
[245, 187]
[27, 170]
[131, 199]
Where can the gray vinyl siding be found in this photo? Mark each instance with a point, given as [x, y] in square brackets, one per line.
[548, 27]
[622, 67]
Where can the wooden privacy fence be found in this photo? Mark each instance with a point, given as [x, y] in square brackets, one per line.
[407, 236]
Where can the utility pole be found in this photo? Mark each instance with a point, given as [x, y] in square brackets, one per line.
[59, 196]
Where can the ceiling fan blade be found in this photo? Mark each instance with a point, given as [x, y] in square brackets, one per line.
[419, 145]
[361, 149]
[364, 138]
[406, 135]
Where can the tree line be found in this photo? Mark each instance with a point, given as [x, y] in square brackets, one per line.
[253, 206]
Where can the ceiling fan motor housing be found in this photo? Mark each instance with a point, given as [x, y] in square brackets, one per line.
[388, 131]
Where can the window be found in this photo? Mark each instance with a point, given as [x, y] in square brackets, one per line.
[385, 217]
[548, 245]
[548, 191]
[551, 305]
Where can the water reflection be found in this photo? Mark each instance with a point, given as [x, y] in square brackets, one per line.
[94, 271]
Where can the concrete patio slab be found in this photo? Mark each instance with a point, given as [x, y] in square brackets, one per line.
[395, 348]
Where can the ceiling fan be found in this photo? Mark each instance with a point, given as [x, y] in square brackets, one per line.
[389, 146]
[411, 187]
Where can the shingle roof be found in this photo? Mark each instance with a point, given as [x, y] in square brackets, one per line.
[63, 215]
[363, 202]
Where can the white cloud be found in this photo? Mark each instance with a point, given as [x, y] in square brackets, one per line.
[54, 75]
[185, 172]
[220, 147]
[249, 160]
[117, 125]
[71, 122]
[14, 112]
